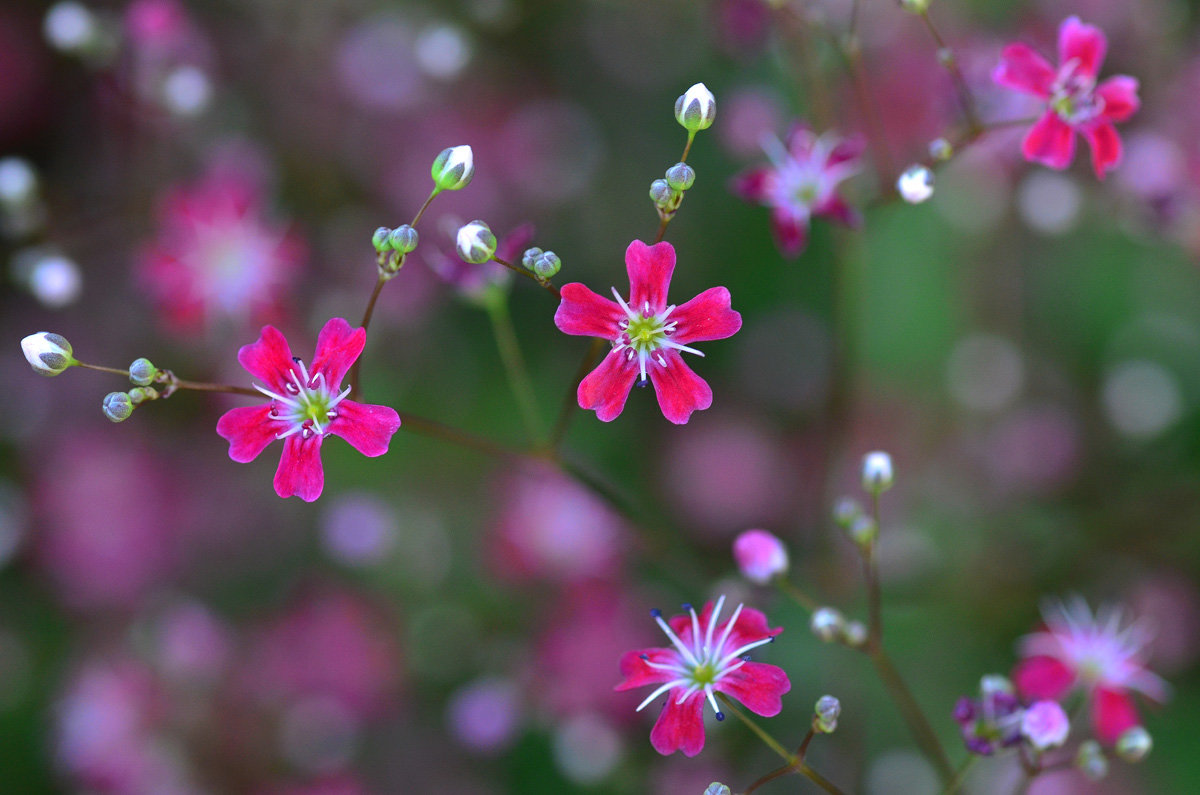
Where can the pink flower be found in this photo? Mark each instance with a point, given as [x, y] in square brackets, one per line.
[1074, 103]
[647, 335]
[760, 556]
[802, 182]
[700, 664]
[1097, 655]
[305, 407]
[1045, 725]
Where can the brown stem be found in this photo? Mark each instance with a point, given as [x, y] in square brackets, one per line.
[950, 63]
[366, 321]
[437, 430]
[197, 386]
[543, 282]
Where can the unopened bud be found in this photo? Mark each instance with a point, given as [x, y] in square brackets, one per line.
[381, 239]
[142, 372]
[717, 788]
[546, 265]
[696, 109]
[18, 182]
[825, 714]
[941, 149]
[1090, 759]
[760, 556]
[877, 472]
[915, 185]
[453, 168]
[47, 353]
[681, 176]
[403, 239]
[827, 623]
[990, 684]
[845, 511]
[863, 531]
[661, 193]
[117, 406]
[915, 6]
[854, 634]
[530, 257]
[1134, 744]
[475, 243]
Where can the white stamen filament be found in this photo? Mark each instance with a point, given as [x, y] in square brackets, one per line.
[676, 642]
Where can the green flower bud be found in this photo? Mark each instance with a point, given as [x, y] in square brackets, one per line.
[1090, 759]
[475, 243]
[854, 634]
[661, 193]
[1134, 744]
[681, 176]
[139, 395]
[696, 109]
[530, 257]
[48, 353]
[453, 168]
[825, 714]
[915, 6]
[403, 239]
[142, 372]
[381, 239]
[863, 531]
[546, 265]
[845, 511]
[117, 406]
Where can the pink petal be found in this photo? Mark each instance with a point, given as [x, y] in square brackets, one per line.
[751, 626]
[367, 427]
[1051, 141]
[1042, 677]
[846, 150]
[680, 391]
[606, 388]
[791, 231]
[800, 141]
[753, 185]
[637, 671]
[338, 347]
[248, 431]
[757, 685]
[705, 317]
[269, 359]
[1085, 43]
[583, 312]
[650, 269]
[1120, 97]
[836, 209]
[1023, 69]
[1113, 712]
[300, 472]
[1102, 137]
[680, 726]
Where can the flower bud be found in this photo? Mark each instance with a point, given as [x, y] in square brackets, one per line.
[825, 714]
[845, 511]
[530, 257]
[546, 265]
[877, 472]
[453, 168]
[696, 109]
[915, 185]
[117, 406]
[941, 149]
[854, 634]
[475, 243]
[717, 788]
[1090, 759]
[661, 193]
[47, 353]
[760, 556]
[1134, 744]
[140, 394]
[142, 372]
[863, 531]
[915, 6]
[827, 623]
[18, 182]
[403, 239]
[1045, 725]
[381, 240]
[681, 176]
[990, 684]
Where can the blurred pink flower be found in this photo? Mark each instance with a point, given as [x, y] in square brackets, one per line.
[802, 182]
[1075, 103]
[760, 556]
[647, 335]
[1101, 655]
[305, 407]
[700, 664]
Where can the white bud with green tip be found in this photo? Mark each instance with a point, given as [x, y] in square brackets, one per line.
[475, 243]
[453, 168]
[48, 353]
[696, 109]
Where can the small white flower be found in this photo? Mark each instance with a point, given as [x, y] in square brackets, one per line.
[475, 243]
[47, 353]
[877, 471]
[696, 109]
[453, 168]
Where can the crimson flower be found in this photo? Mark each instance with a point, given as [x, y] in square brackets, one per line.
[1102, 656]
[1074, 103]
[647, 336]
[305, 406]
[699, 664]
[802, 182]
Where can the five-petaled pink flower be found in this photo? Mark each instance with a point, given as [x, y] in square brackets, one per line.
[647, 335]
[1103, 656]
[706, 657]
[306, 405]
[1074, 103]
[801, 182]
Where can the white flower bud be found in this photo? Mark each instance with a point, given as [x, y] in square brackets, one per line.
[47, 353]
[696, 109]
[915, 185]
[475, 243]
[854, 634]
[453, 168]
[1134, 744]
[877, 472]
[825, 714]
[827, 623]
[717, 788]
[18, 182]
[117, 406]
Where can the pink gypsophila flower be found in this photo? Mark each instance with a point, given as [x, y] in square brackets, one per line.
[802, 182]
[1103, 656]
[647, 336]
[1074, 102]
[699, 664]
[306, 405]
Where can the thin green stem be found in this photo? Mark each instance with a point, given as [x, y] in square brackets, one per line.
[871, 573]
[792, 761]
[101, 369]
[197, 386]
[514, 363]
[570, 400]
[432, 194]
[950, 63]
[542, 282]
[799, 596]
[960, 775]
[780, 772]
[910, 710]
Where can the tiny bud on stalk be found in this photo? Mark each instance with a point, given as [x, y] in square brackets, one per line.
[717, 788]
[142, 372]
[48, 353]
[825, 714]
[854, 634]
[877, 472]
[1090, 759]
[863, 531]
[1134, 744]
[546, 265]
[845, 511]
[530, 257]
[453, 168]
[117, 406]
[661, 193]
[941, 149]
[475, 243]
[380, 240]
[696, 109]
[827, 623]
[681, 176]
[403, 239]
[915, 185]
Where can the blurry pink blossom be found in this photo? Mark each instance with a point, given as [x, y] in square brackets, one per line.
[760, 556]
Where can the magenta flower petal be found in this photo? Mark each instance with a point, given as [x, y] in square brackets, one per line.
[846, 150]
[706, 317]
[1042, 677]
[1120, 97]
[606, 388]
[837, 209]
[1051, 141]
[790, 231]
[800, 141]
[680, 391]
[636, 668]
[650, 269]
[367, 427]
[248, 431]
[1113, 711]
[1022, 69]
[338, 347]
[1084, 43]
[759, 686]
[1105, 144]
[752, 185]
[300, 472]
[680, 727]
[269, 359]
[583, 312]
